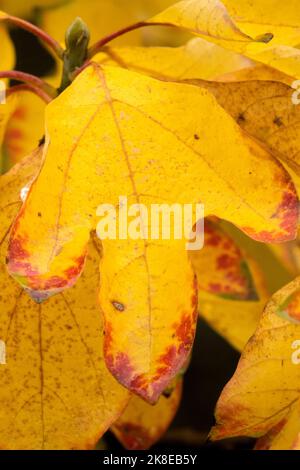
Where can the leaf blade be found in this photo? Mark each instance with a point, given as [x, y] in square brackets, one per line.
[136, 118]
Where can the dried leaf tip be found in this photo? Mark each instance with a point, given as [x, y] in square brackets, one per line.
[38, 296]
[267, 37]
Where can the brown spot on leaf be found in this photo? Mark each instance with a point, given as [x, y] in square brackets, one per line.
[277, 120]
[241, 118]
[118, 305]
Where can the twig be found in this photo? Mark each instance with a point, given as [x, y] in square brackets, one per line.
[55, 46]
[37, 91]
[95, 48]
[30, 80]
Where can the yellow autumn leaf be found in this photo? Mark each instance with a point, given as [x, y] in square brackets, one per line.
[195, 59]
[283, 58]
[285, 435]
[135, 136]
[6, 111]
[55, 390]
[211, 20]
[24, 128]
[263, 108]
[7, 104]
[255, 71]
[225, 274]
[255, 17]
[263, 394]
[7, 57]
[142, 425]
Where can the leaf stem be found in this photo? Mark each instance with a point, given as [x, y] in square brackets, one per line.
[37, 91]
[32, 80]
[95, 48]
[51, 42]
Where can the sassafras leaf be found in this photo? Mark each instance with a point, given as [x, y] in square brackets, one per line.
[263, 395]
[6, 111]
[211, 20]
[24, 128]
[115, 132]
[55, 390]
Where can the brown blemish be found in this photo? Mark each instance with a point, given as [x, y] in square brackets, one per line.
[118, 305]
[277, 120]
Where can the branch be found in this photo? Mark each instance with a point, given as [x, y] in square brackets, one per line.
[51, 42]
[37, 91]
[95, 48]
[30, 80]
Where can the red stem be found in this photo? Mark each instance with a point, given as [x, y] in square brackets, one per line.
[52, 43]
[102, 42]
[37, 91]
[30, 80]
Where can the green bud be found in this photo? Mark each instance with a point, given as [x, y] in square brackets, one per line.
[77, 40]
[77, 35]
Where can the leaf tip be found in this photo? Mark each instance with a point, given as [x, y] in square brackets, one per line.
[265, 38]
[38, 296]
